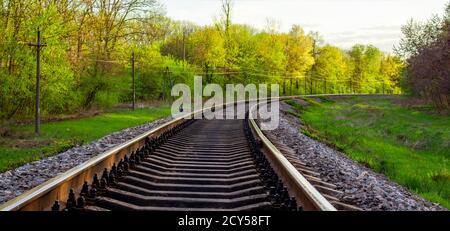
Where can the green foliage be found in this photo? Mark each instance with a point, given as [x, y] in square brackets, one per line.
[241, 47]
[270, 52]
[332, 65]
[366, 63]
[86, 63]
[408, 146]
[374, 72]
[17, 62]
[207, 47]
[298, 51]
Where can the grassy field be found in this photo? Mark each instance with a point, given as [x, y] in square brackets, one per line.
[21, 146]
[407, 145]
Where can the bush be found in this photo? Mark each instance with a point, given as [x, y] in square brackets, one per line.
[429, 71]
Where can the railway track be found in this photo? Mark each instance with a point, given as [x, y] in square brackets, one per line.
[188, 165]
[206, 166]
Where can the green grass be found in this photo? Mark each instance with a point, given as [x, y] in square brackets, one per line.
[21, 146]
[409, 146]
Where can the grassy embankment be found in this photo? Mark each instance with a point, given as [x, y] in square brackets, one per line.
[408, 145]
[20, 145]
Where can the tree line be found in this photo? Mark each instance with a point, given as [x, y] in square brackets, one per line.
[86, 61]
[425, 47]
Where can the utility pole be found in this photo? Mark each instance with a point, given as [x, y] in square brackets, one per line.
[290, 88]
[306, 83]
[207, 72]
[169, 74]
[166, 72]
[184, 47]
[133, 78]
[38, 45]
[314, 65]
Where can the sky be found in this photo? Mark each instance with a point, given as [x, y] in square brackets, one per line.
[340, 22]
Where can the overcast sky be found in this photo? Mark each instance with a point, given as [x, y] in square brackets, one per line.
[340, 22]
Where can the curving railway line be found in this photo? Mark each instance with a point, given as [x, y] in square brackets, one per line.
[188, 165]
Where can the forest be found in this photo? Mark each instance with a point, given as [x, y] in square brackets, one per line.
[86, 60]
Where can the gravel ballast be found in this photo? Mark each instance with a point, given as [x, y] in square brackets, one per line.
[15, 182]
[360, 185]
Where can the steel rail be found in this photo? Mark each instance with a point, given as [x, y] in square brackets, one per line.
[43, 196]
[297, 184]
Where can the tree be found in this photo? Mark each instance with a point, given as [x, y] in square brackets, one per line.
[111, 20]
[425, 47]
[331, 65]
[271, 57]
[176, 43]
[417, 35]
[206, 47]
[298, 51]
[365, 69]
[429, 71]
[227, 7]
[242, 48]
[17, 60]
[391, 70]
[317, 40]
